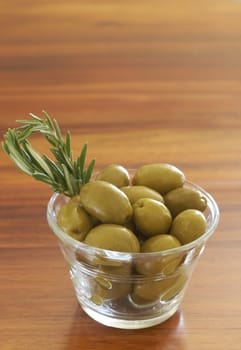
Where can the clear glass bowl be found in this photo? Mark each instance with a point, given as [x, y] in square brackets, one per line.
[108, 286]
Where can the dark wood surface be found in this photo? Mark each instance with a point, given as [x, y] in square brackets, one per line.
[142, 82]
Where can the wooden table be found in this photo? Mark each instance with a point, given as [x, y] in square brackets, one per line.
[142, 82]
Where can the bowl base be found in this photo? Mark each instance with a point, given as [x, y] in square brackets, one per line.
[129, 324]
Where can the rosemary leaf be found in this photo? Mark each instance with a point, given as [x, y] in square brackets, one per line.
[68, 181]
[5, 148]
[26, 122]
[21, 164]
[68, 144]
[42, 177]
[81, 160]
[89, 171]
[26, 132]
[58, 155]
[35, 117]
[53, 166]
[51, 140]
[48, 120]
[39, 159]
[58, 131]
[56, 170]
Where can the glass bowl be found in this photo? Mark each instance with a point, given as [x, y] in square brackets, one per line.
[107, 283]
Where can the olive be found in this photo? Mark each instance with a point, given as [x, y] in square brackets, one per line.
[106, 202]
[110, 278]
[161, 177]
[160, 243]
[115, 174]
[188, 225]
[113, 237]
[165, 264]
[183, 198]
[147, 292]
[151, 217]
[137, 192]
[74, 220]
[178, 284]
[114, 283]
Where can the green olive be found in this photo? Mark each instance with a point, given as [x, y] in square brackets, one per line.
[160, 243]
[137, 192]
[74, 220]
[106, 202]
[115, 174]
[179, 283]
[165, 264]
[148, 292]
[151, 217]
[115, 283]
[188, 225]
[161, 177]
[113, 237]
[152, 291]
[111, 278]
[184, 198]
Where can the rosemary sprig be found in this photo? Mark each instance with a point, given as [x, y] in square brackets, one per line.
[64, 174]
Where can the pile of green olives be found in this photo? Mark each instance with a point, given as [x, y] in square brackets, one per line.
[152, 211]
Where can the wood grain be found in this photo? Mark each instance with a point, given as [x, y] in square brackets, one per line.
[142, 82]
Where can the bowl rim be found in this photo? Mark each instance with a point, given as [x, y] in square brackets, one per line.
[109, 254]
